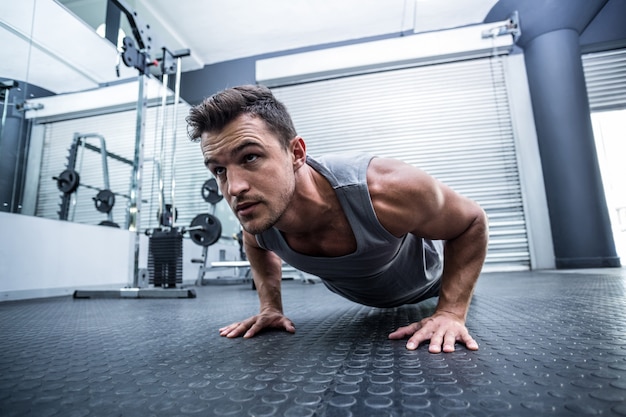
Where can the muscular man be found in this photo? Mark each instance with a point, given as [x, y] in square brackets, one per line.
[377, 231]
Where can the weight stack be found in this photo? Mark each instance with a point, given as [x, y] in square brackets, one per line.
[165, 258]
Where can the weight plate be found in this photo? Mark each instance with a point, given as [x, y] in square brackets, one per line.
[104, 201]
[211, 192]
[210, 232]
[67, 181]
[108, 223]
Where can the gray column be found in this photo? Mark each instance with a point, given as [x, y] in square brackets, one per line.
[581, 227]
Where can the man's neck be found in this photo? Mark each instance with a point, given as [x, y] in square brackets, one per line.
[315, 223]
[314, 199]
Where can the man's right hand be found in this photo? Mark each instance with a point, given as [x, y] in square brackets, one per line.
[264, 320]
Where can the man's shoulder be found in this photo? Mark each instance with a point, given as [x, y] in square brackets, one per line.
[341, 159]
[397, 178]
[341, 169]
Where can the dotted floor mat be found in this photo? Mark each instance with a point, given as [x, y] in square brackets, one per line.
[551, 344]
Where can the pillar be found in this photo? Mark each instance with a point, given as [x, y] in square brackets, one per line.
[581, 226]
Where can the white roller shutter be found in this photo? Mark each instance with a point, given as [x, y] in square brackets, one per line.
[452, 120]
[118, 130]
[605, 74]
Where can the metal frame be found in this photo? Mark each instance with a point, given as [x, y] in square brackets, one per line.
[140, 58]
[5, 89]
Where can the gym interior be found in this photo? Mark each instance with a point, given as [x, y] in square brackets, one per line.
[120, 259]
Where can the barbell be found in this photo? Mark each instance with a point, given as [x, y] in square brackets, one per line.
[205, 229]
[68, 181]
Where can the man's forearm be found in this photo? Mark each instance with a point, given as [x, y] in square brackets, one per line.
[267, 275]
[463, 260]
[269, 292]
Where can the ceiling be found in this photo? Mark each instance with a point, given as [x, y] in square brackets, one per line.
[223, 30]
[52, 44]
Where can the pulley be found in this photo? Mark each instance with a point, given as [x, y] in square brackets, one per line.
[168, 218]
[211, 192]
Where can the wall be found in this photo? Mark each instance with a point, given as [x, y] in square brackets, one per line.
[196, 85]
[600, 28]
[607, 30]
[44, 257]
[34, 263]
[551, 40]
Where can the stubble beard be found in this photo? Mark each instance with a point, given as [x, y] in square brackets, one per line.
[254, 228]
[273, 217]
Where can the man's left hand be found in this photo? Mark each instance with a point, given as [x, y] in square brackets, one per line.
[443, 329]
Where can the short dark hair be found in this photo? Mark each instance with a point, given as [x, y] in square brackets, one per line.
[215, 112]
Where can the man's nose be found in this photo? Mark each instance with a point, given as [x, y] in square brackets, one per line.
[237, 183]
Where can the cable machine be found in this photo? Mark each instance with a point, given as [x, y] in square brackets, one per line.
[141, 57]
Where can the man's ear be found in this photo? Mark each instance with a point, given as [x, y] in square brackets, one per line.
[297, 148]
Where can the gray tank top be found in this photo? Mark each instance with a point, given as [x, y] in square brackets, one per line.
[384, 271]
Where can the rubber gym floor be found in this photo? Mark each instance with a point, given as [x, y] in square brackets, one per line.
[551, 344]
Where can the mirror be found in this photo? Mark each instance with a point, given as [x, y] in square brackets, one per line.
[71, 81]
[46, 51]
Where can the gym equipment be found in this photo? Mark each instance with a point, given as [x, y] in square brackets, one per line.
[210, 192]
[168, 217]
[68, 181]
[5, 90]
[165, 246]
[104, 200]
[165, 250]
[165, 258]
[205, 229]
[109, 224]
[140, 58]
[168, 65]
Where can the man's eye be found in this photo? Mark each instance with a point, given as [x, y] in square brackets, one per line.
[251, 158]
[219, 171]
